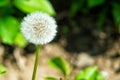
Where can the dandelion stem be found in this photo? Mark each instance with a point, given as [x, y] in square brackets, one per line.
[36, 62]
[67, 77]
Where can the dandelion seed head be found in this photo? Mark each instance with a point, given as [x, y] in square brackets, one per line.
[39, 28]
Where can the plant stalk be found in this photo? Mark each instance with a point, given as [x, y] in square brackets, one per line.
[36, 62]
[67, 77]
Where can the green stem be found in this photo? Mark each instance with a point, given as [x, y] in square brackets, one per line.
[67, 77]
[36, 62]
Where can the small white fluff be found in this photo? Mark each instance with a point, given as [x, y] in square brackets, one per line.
[39, 28]
[104, 73]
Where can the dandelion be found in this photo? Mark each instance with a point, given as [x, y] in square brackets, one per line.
[38, 28]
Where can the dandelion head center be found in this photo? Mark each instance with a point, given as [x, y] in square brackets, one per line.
[39, 26]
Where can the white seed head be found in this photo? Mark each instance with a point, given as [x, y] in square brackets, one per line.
[39, 28]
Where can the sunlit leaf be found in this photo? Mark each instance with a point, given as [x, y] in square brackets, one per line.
[50, 78]
[20, 40]
[93, 3]
[8, 29]
[100, 76]
[29, 6]
[2, 69]
[61, 64]
[81, 75]
[90, 73]
[46, 7]
[3, 2]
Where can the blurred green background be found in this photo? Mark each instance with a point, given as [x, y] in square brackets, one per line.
[67, 14]
[90, 26]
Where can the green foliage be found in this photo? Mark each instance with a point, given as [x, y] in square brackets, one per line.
[79, 5]
[76, 6]
[116, 13]
[20, 40]
[50, 78]
[84, 6]
[10, 32]
[29, 6]
[9, 28]
[10, 23]
[94, 3]
[61, 64]
[2, 69]
[90, 73]
[4, 2]
[102, 18]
